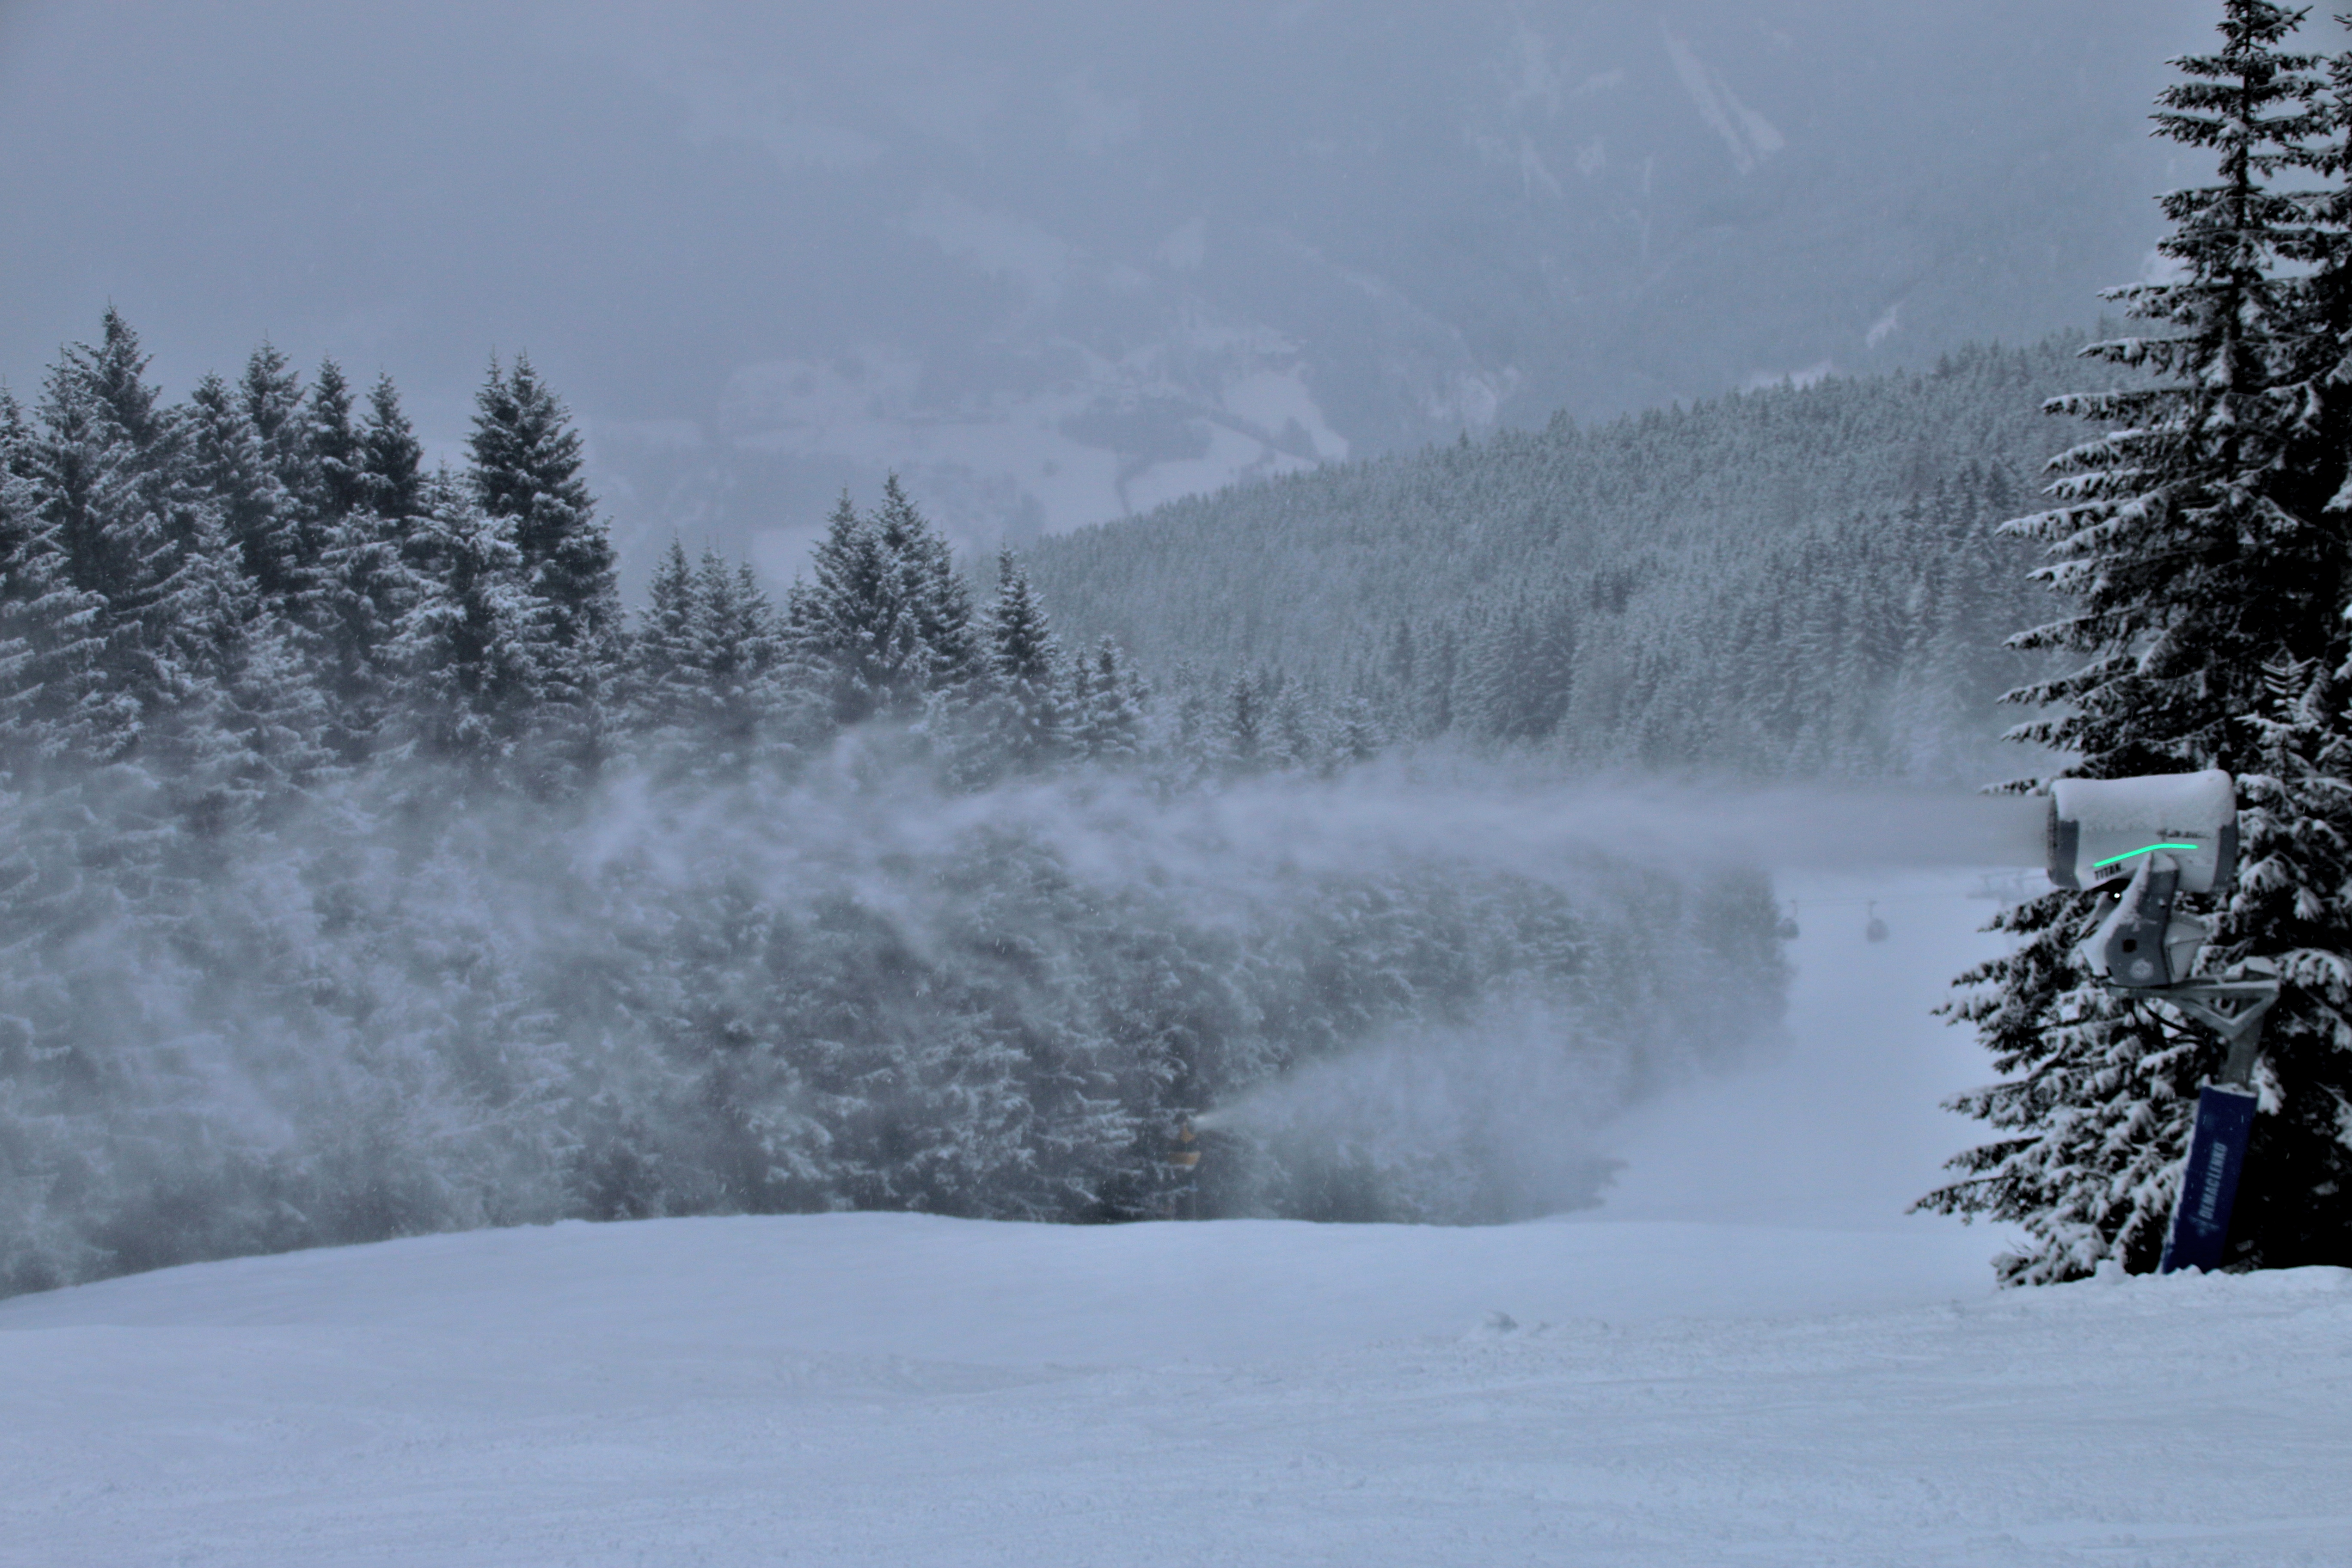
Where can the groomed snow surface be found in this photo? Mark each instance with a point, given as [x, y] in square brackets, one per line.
[1748, 1357]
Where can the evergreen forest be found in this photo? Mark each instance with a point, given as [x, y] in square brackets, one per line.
[1791, 583]
[367, 868]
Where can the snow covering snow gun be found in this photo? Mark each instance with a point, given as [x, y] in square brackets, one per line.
[2141, 843]
[2161, 835]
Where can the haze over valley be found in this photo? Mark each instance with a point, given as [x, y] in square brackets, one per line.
[1061, 265]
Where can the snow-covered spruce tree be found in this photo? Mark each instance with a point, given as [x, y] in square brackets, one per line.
[112, 485]
[755, 715]
[886, 626]
[369, 576]
[854, 640]
[2199, 542]
[1440, 671]
[470, 655]
[2295, 889]
[1107, 701]
[49, 642]
[1191, 738]
[230, 715]
[664, 681]
[1492, 685]
[52, 722]
[165, 708]
[1239, 739]
[1027, 723]
[272, 395]
[1300, 730]
[706, 696]
[1521, 665]
[525, 474]
[391, 459]
[1356, 733]
[936, 593]
[337, 451]
[2293, 903]
[232, 464]
[373, 569]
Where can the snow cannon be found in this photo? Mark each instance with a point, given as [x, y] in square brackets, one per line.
[2103, 830]
[2143, 841]
[2140, 843]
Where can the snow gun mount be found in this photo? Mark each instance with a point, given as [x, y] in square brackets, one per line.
[2138, 844]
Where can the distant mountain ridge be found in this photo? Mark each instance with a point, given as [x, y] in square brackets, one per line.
[1055, 262]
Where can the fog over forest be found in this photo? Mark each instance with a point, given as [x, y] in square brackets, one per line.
[1266, 781]
[1262, 781]
[611, 615]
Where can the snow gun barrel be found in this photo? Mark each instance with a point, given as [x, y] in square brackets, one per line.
[2105, 830]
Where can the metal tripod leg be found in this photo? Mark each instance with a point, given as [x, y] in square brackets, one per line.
[2233, 1009]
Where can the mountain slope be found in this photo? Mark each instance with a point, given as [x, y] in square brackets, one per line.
[1800, 580]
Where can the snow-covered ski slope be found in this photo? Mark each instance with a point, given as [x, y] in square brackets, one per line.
[1750, 1357]
[890, 1389]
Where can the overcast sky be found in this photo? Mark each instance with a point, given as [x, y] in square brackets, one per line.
[1058, 260]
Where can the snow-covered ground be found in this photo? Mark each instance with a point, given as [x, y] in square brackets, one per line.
[1748, 1357]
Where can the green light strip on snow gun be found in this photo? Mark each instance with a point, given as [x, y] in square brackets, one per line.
[2151, 849]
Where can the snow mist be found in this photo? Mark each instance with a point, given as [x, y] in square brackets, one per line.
[413, 1007]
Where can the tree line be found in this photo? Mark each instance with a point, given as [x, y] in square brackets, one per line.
[265, 586]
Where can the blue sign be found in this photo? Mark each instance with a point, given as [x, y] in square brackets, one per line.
[2217, 1152]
